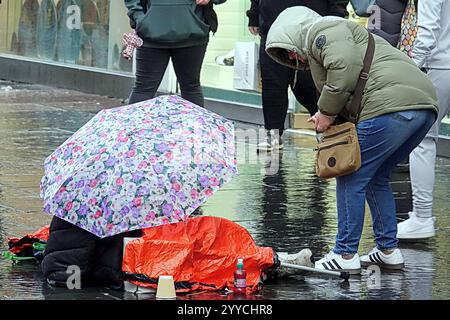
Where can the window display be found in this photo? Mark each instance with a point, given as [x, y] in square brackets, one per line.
[89, 33]
[219, 69]
[65, 31]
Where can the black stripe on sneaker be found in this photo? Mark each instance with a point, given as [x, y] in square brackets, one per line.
[325, 265]
[331, 265]
[372, 259]
[379, 258]
[337, 265]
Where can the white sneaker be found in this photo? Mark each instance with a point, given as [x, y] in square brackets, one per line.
[335, 262]
[273, 142]
[416, 228]
[389, 261]
[302, 258]
[226, 60]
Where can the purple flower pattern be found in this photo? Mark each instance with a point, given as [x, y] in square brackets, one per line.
[139, 166]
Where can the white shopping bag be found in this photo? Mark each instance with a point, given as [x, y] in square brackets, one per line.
[246, 66]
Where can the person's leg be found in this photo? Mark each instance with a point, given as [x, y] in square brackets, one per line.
[187, 63]
[379, 194]
[151, 64]
[305, 91]
[422, 167]
[379, 139]
[68, 245]
[380, 197]
[275, 82]
[423, 158]
[375, 145]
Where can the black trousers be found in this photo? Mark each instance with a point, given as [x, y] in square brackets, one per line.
[151, 64]
[276, 79]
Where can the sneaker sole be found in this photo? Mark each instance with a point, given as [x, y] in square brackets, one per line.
[398, 266]
[416, 236]
[350, 271]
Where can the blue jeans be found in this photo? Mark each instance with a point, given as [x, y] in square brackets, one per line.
[385, 141]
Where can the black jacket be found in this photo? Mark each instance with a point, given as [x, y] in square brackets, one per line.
[263, 13]
[389, 26]
[100, 260]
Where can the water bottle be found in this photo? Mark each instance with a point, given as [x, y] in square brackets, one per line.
[240, 278]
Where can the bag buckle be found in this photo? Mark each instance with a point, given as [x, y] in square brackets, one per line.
[364, 76]
[319, 137]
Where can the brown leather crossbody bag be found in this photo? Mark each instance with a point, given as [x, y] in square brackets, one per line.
[338, 151]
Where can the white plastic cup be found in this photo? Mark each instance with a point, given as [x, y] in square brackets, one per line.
[166, 288]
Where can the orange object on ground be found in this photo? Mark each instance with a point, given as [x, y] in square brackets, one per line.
[200, 254]
[22, 246]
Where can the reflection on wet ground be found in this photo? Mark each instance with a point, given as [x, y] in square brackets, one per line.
[287, 209]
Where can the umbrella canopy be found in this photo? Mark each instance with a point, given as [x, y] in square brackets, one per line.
[139, 166]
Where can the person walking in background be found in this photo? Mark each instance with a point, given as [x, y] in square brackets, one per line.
[431, 54]
[276, 79]
[173, 29]
[398, 107]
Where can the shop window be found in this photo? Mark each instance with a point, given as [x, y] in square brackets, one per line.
[66, 31]
[218, 68]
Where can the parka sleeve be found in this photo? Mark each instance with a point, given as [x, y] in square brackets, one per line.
[336, 50]
[253, 14]
[429, 30]
[135, 10]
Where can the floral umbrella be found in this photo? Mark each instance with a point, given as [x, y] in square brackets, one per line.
[139, 166]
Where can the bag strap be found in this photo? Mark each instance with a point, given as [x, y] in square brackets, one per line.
[355, 106]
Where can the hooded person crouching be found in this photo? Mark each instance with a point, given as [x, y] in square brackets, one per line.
[398, 107]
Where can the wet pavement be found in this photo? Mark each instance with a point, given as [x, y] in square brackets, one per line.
[288, 210]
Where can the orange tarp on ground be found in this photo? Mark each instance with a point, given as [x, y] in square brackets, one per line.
[200, 254]
[23, 245]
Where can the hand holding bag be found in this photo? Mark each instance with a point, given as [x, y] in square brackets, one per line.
[338, 151]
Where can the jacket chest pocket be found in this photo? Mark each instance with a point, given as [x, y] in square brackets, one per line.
[171, 21]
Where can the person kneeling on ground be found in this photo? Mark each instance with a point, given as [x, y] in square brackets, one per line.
[99, 260]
